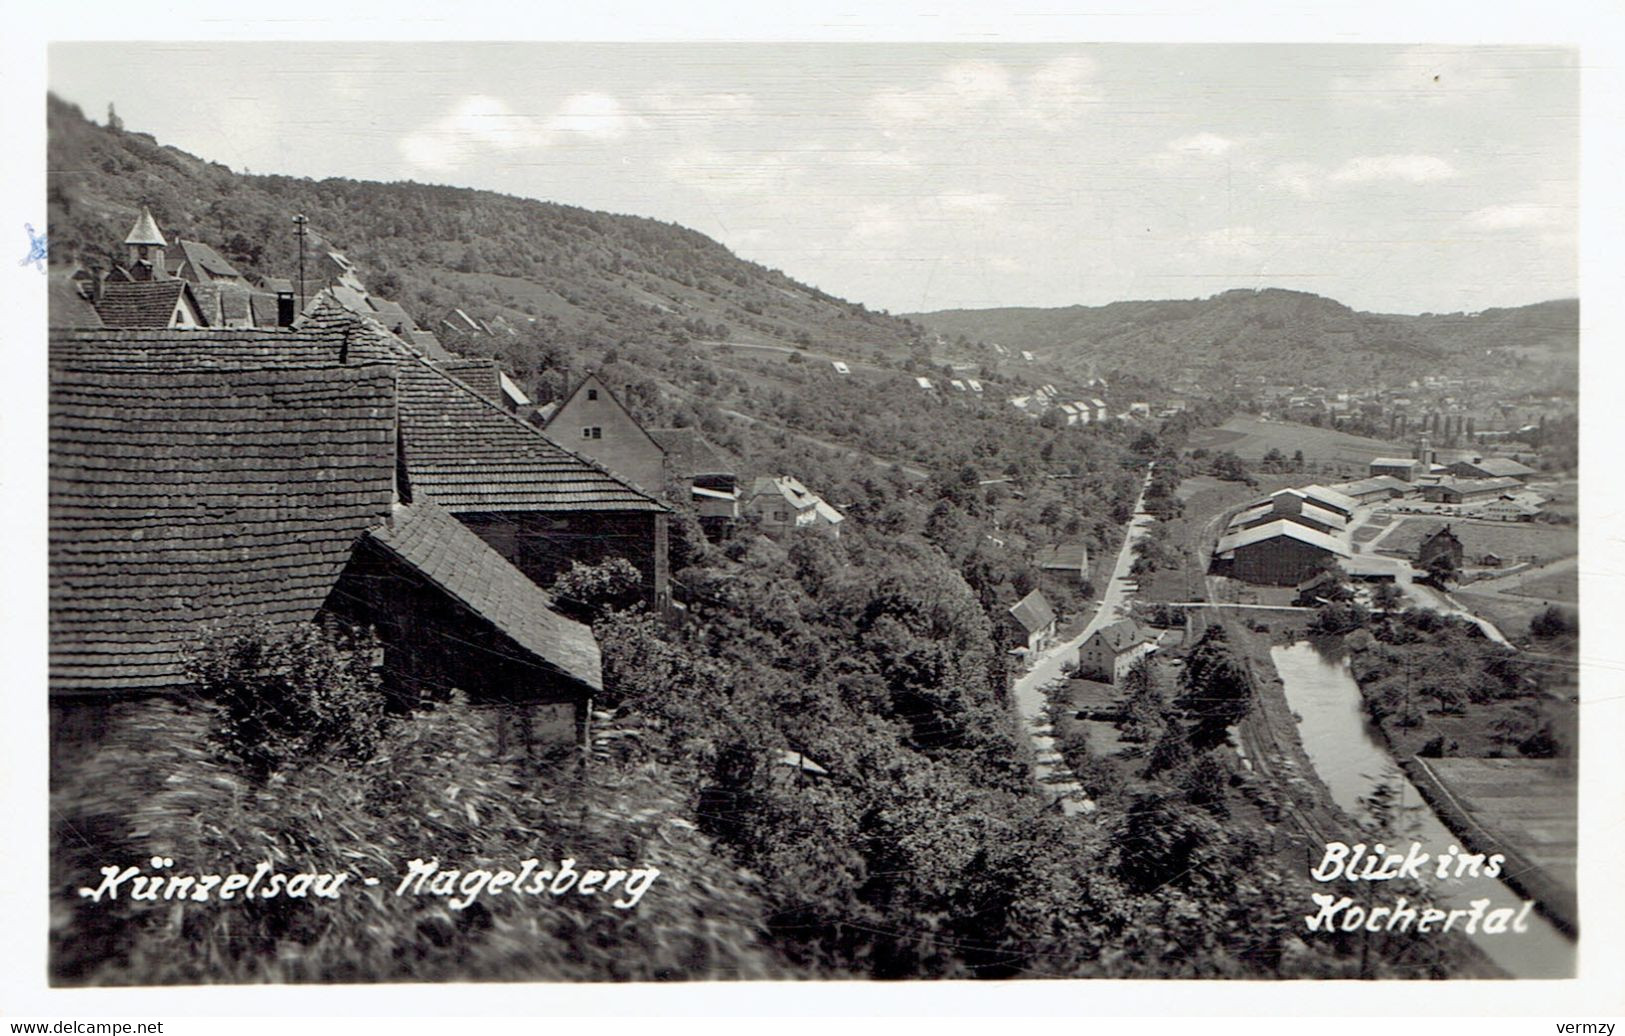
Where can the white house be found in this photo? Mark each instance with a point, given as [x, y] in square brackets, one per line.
[1111, 652]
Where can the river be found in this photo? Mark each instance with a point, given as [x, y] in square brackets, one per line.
[1352, 760]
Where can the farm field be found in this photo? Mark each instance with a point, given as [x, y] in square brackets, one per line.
[1556, 586]
[1512, 541]
[1250, 438]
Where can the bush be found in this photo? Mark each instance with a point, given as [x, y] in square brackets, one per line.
[311, 693]
[1554, 622]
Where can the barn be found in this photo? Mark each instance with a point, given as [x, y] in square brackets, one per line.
[1280, 553]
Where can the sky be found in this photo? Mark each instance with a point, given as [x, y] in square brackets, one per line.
[921, 176]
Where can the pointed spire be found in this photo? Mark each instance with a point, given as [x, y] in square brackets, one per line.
[145, 231]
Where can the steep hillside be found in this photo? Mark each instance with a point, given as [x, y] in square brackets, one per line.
[1281, 336]
[578, 274]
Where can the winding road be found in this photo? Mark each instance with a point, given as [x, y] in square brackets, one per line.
[1050, 769]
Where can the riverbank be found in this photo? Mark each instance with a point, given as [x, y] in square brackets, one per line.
[1369, 783]
[1554, 898]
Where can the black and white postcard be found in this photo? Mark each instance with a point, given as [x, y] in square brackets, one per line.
[846, 508]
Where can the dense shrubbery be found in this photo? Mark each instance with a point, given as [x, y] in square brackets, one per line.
[310, 694]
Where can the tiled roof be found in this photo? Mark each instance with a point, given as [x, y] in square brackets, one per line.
[66, 307]
[445, 552]
[689, 453]
[470, 454]
[206, 263]
[429, 345]
[393, 315]
[276, 285]
[138, 304]
[467, 452]
[1033, 612]
[1071, 557]
[264, 307]
[183, 499]
[1122, 635]
[208, 303]
[234, 305]
[482, 375]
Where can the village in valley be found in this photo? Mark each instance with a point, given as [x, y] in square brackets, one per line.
[839, 620]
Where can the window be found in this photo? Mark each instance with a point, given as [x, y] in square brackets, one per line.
[592, 393]
[586, 433]
[597, 433]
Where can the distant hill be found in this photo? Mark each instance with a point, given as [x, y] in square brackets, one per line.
[1281, 336]
[577, 274]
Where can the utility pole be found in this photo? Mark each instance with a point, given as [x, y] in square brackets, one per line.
[299, 221]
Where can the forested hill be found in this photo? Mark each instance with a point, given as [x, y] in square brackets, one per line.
[1282, 335]
[581, 274]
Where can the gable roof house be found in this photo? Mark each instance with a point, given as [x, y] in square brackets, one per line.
[1111, 651]
[199, 263]
[711, 479]
[782, 505]
[487, 377]
[596, 424]
[183, 501]
[1069, 559]
[539, 505]
[1032, 620]
[147, 304]
[1442, 543]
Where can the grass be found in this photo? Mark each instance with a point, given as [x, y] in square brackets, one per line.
[1512, 541]
[1250, 438]
[1555, 586]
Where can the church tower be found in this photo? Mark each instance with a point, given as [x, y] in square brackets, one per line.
[144, 246]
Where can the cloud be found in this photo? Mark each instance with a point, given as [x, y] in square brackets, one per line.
[480, 124]
[599, 116]
[1511, 217]
[1056, 90]
[1411, 168]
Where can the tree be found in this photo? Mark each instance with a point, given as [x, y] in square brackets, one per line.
[1230, 467]
[305, 694]
[1554, 622]
[1218, 691]
[1386, 596]
[587, 593]
[1442, 570]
